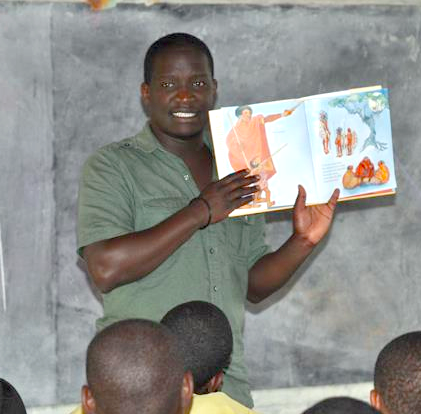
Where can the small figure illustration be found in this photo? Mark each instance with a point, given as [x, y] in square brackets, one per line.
[365, 170]
[350, 180]
[382, 174]
[339, 142]
[365, 174]
[351, 141]
[324, 131]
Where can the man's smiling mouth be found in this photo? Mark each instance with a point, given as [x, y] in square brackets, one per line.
[184, 114]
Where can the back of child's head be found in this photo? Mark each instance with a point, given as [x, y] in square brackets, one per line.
[397, 374]
[341, 405]
[10, 401]
[205, 338]
[134, 366]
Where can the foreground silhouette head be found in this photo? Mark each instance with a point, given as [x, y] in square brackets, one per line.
[341, 405]
[397, 376]
[135, 367]
[205, 339]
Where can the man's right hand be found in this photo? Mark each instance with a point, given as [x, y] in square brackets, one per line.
[224, 196]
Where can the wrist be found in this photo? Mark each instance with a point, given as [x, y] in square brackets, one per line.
[301, 241]
[203, 211]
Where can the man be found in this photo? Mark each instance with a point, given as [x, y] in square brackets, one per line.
[153, 224]
[135, 367]
[397, 376]
[248, 146]
[205, 339]
[341, 405]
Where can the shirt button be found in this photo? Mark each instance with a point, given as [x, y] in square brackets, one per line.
[186, 177]
[211, 250]
[215, 288]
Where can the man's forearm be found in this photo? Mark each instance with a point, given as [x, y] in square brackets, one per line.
[273, 270]
[125, 259]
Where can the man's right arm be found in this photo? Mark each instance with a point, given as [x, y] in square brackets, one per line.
[126, 258]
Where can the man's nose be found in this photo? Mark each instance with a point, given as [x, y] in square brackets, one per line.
[184, 94]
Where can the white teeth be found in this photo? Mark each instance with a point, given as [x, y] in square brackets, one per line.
[184, 114]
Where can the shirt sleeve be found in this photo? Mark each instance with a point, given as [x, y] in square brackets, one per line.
[105, 203]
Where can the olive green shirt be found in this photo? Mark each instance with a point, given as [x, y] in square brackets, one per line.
[135, 184]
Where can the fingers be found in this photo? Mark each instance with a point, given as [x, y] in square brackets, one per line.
[333, 199]
[300, 201]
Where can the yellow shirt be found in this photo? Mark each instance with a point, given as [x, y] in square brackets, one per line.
[213, 403]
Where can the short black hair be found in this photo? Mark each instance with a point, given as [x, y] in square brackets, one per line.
[341, 405]
[205, 338]
[135, 366]
[397, 374]
[10, 400]
[173, 40]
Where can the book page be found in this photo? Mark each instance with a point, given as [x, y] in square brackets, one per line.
[351, 142]
[271, 140]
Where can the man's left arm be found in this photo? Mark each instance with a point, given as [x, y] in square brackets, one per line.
[272, 271]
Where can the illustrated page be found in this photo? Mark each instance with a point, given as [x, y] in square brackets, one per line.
[271, 140]
[351, 142]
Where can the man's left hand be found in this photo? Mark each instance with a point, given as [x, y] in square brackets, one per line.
[311, 223]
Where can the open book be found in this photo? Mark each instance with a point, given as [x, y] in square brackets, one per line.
[336, 140]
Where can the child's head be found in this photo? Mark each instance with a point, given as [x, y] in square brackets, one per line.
[205, 337]
[397, 376]
[135, 366]
[341, 405]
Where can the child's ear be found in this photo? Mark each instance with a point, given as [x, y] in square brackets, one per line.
[187, 391]
[375, 400]
[215, 383]
[88, 401]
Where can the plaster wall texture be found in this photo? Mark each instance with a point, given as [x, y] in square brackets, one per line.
[72, 78]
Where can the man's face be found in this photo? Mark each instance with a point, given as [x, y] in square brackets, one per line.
[180, 94]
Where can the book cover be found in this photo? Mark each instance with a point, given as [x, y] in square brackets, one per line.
[336, 140]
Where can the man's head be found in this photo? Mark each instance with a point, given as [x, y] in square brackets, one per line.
[170, 41]
[205, 337]
[397, 376]
[341, 405]
[135, 366]
[179, 88]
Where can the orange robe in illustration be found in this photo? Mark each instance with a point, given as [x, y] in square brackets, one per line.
[365, 169]
[247, 143]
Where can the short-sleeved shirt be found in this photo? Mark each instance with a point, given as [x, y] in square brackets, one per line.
[133, 185]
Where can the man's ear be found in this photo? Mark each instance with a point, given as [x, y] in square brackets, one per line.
[88, 402]
[376, 400]
[187, 391]
[145, 97]
[215, 383]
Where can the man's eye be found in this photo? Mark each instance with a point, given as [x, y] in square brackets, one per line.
[165, 84]
[199, 83]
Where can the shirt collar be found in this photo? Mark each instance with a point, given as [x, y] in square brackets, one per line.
[146, 140]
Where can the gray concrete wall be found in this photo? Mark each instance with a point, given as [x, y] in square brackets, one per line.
[69, 84]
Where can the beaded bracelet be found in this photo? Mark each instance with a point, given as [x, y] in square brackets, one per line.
[209, 210]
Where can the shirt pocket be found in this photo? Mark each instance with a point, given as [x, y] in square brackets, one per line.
[155, 210]
[238, 238]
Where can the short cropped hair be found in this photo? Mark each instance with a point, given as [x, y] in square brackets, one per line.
[10, 400]
[169, 41]
[341, 405]
[397, 374]
[205, 338]
[135, 366]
